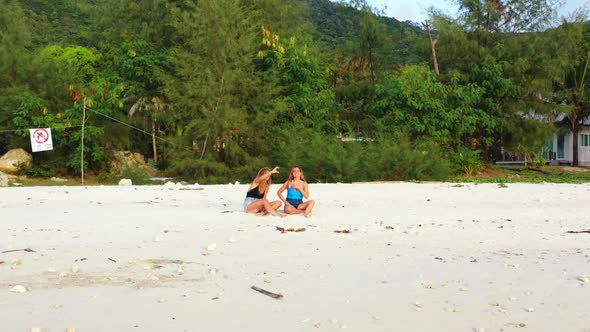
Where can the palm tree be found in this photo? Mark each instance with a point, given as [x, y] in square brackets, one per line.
[152, 107]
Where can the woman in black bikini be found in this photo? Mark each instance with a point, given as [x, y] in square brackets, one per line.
[256, 196]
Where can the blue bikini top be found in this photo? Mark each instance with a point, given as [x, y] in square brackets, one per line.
[294, 194]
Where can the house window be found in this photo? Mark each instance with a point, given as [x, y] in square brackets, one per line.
[584, 140]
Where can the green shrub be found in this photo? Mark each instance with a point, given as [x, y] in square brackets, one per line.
[137, 175]
[41, 171]
[37, 172]
[467, 160]
[106, 177]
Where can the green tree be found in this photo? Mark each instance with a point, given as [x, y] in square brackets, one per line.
[65, 79]
[143, 69]
[15, 40]
[118, 22]
[571, 42]
[301, 81]
[216, 87]
[416, 102]
[499, 45]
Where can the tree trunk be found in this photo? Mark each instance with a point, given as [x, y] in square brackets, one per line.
[433, 47]
[576, 133]
[155, 147]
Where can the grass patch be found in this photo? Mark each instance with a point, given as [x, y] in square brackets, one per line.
[514, 174]
[23, 181]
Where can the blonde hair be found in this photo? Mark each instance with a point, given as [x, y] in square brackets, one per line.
[291, 178]
[264, 185]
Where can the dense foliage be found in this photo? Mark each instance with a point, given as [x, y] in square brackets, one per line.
[229, 86]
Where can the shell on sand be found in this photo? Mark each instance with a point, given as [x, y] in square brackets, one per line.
[19, 289]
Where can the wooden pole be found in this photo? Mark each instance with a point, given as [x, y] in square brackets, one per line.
[154, 145]
[82, 142]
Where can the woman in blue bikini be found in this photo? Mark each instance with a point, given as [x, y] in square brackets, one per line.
[297, 189]
[256, 196]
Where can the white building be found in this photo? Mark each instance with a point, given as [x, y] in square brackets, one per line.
[561, 147]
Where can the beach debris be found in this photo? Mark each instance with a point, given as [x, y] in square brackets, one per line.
[427, 286]
[388, 227]
[211, 247]
[37, 329]
[267, 280]
[577, 232]
[13, 250]
[16, 264]
[479, 329]
[517, 325]
[343, 231]
[71, 329]
[159, 237]
[418, 306]
[267, 293]
[2, 262]
[75, 268]
[530, 309]
[584, 279]
[112, 260]
[80, 259]
[19, 289]
[285, 230]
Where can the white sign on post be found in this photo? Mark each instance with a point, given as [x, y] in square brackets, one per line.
[41, 139]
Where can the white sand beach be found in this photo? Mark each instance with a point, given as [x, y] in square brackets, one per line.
[419, 257]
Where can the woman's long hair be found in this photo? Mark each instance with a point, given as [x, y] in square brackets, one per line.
[264, 185]
[302, 177]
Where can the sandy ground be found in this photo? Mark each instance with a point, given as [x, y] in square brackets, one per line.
[419, 257]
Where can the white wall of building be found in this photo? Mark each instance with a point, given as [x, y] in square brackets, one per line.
[583, 151]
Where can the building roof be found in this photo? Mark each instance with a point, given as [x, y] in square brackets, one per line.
[562, 117]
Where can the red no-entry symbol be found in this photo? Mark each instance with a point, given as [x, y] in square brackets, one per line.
[40, 135]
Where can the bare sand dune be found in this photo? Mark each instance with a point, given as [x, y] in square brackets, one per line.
[418, 257]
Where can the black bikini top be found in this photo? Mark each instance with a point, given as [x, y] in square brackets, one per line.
[254, 193]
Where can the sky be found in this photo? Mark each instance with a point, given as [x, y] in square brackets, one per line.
[415, 10]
